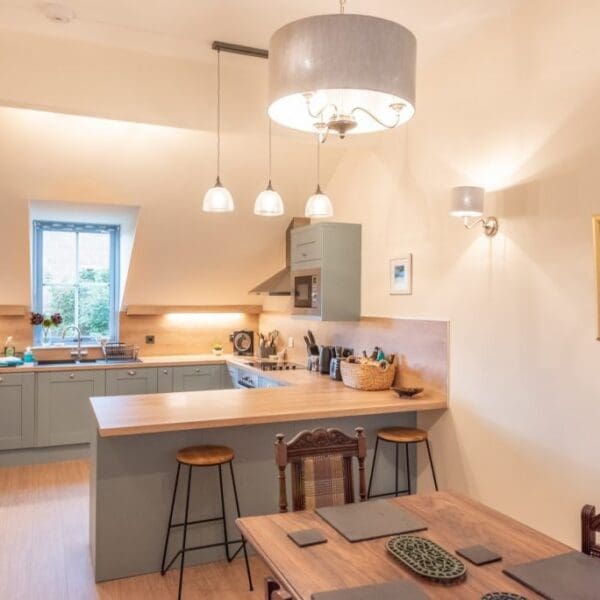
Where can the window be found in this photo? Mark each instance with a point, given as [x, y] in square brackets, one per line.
[75, 273]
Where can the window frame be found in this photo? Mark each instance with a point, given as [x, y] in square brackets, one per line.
[114, 231]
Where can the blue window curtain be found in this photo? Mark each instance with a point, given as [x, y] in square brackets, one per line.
[113, 231]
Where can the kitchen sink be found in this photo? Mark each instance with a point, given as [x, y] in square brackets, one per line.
[84, 361]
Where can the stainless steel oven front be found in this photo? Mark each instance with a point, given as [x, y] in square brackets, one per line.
[307, 292]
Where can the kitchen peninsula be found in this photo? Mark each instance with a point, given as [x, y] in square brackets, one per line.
[133, 453]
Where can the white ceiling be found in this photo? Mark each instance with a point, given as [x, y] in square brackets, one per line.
[185, 28]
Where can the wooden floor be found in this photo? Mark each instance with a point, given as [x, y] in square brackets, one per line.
[44, 552]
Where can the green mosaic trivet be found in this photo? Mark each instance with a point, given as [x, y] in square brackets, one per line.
[427, 559]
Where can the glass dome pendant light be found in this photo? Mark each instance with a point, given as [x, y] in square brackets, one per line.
[268, 203]
[318, 206]
[218, 198]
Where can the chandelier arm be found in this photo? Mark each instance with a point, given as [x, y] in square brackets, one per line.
[367, 112]
[319, 114]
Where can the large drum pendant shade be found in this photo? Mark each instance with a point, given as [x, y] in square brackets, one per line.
[342, 72]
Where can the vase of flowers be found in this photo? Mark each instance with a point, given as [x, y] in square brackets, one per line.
[217, 349]
[47, 323]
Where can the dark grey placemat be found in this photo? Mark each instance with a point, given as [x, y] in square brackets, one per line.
[479, 555]
[570, 576]
[369, 520]
[395, 590]
[307, 537]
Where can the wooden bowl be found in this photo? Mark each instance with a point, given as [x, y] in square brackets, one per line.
[405, 392]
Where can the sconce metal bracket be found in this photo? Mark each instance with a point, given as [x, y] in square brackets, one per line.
[490, 225]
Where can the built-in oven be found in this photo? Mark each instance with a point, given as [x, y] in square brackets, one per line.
[306, 286]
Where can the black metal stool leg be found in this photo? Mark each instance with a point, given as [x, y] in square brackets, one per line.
[431, 464]
[372, 468]
[239, 514]
[162, 567]
[396, 488]
[407, 469]
[223, 516]
[185, 525]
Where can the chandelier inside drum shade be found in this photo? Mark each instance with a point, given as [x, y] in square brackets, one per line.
[342, 73]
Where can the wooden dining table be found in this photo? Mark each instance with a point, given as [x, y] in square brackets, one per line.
[453, 520]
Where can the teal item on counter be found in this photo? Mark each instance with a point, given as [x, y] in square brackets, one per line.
[380, 355]
[10, 361]
[28, 356]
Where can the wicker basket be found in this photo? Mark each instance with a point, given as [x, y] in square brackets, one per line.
[370, 377]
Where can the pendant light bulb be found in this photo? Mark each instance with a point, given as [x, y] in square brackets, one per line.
[218, 198]
[318, 206]
[269, 203]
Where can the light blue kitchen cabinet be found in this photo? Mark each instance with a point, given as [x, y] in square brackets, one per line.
[165, 380]
[17, 410]
[124, 382]
[64, 412]
[197, 377]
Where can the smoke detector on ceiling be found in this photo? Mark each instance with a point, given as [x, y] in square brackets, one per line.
[58, 13]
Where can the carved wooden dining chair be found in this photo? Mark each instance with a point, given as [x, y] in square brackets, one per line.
[590, 526]
[321, 465]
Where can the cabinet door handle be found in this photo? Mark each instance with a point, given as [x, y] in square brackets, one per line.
[131, 373]
[72, 376]
[165, 371]
[198, 370]
[1, 380]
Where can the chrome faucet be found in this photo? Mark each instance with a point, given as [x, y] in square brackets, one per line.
[79, 353]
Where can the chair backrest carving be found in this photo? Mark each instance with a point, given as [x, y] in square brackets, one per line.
[321, 465]
[590, 526]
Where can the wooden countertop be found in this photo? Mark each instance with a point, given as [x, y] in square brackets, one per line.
[306, 396]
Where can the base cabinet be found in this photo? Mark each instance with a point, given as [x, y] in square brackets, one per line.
[64, 412]
[17, 410]
[197, 378]
[125, 382]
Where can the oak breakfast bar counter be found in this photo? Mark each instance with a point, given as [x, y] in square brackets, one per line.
[133, 456]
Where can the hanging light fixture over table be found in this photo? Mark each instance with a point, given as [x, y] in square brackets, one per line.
[342, 73]
[318, 206]
[268, 203]
[218, 198]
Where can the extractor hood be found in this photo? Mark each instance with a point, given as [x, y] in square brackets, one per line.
[280, 284]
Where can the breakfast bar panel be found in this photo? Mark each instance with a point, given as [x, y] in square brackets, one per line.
[132, 478]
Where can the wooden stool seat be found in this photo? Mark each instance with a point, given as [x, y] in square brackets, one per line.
[402, 435]
[205, 456]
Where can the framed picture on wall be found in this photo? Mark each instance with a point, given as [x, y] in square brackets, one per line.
[401, 275]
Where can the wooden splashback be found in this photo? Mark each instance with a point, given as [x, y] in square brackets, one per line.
[421, 346]
[180, 334]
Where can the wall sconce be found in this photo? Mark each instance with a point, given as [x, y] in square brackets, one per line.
[467, 202]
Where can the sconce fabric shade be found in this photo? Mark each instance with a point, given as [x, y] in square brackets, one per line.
[467, 201]
[344, 60]
[217, 199]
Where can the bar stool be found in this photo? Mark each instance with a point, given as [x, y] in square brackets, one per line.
[397, 436]
[204, 456]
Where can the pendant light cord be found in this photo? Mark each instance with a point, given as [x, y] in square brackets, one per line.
[270, 151]
[318, 165]
[218, 115]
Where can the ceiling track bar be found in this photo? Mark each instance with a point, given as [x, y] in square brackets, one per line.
[237, 49]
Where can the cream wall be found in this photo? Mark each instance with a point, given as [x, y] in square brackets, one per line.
[163, 164]
[514, 108]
